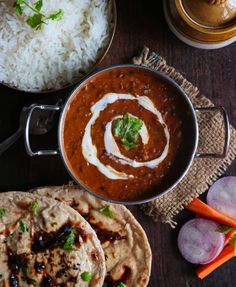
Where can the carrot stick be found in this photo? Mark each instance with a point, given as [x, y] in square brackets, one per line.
[204, 210]
[226, 254]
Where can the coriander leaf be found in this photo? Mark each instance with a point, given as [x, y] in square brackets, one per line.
[225, 229]
[86, 276]
[38, 19]
[25, 271]
[35, 21]
[18, 9]
[25, 274]
[2, 212]
[121, 285]
[18, 2]
[232, 241]
[23, 226]
[56, 16]
[106, 210]
[70, 240]
[39, 5]
[127, 129]
[34, 205]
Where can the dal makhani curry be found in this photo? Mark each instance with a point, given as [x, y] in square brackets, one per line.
[122, 131]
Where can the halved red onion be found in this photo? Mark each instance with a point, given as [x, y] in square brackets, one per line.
[199, 241]
[222, 195]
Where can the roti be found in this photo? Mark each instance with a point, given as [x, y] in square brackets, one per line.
[44, 242]
[124, 242]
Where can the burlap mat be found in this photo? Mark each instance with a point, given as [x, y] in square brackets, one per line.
[204, 171]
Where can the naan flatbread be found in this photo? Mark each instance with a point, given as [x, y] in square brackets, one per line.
[44, 242]
[127, 251]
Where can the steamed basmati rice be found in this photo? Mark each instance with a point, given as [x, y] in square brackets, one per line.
[60, 52]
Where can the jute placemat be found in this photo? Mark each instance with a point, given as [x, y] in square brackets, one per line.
[204, 171]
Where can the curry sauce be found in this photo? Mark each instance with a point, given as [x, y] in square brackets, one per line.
[144, 181]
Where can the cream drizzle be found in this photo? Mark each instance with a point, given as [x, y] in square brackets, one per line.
[90, 152]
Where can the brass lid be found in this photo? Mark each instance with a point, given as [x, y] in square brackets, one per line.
[211, 13]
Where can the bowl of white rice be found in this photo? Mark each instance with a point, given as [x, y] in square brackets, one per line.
[72, 39]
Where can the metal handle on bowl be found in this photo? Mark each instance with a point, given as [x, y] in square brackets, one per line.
[27, 128]
[227, 132]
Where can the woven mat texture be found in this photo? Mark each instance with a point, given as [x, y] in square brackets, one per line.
[204, 171]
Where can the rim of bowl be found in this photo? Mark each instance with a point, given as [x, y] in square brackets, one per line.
[91, 70]
[61, 123]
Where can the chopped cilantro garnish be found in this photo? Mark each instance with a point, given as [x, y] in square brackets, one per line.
[34, 205]
[127, 130]
[23, 226]
[57, 16]
[106, 210]
[39, 5]
[37, 19]
[2, 212]
[70, 240]
[226, 229]
[232, 241]
[86, 276]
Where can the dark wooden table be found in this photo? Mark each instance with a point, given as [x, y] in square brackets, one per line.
[214, 72]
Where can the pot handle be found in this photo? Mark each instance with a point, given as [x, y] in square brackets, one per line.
[227, 132]
[27, 127]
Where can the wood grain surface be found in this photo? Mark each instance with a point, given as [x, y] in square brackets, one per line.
[214, 72]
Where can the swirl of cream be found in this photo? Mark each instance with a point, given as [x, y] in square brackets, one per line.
[90, 152]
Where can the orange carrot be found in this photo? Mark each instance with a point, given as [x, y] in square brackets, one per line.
[202, 209]
[226, 254]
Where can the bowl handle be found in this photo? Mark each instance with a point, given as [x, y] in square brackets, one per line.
[227, 132]
[27, 127]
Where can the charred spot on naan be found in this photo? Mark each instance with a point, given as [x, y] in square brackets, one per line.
[124, 277]
[105, 235]
[43, 241]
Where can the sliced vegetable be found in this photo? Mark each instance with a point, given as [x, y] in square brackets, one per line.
[121, 285]
[199, 241]
[224, 256]
[202, 209]
[86, 276]
[222, 196]
[2, 212]
[106, 210]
